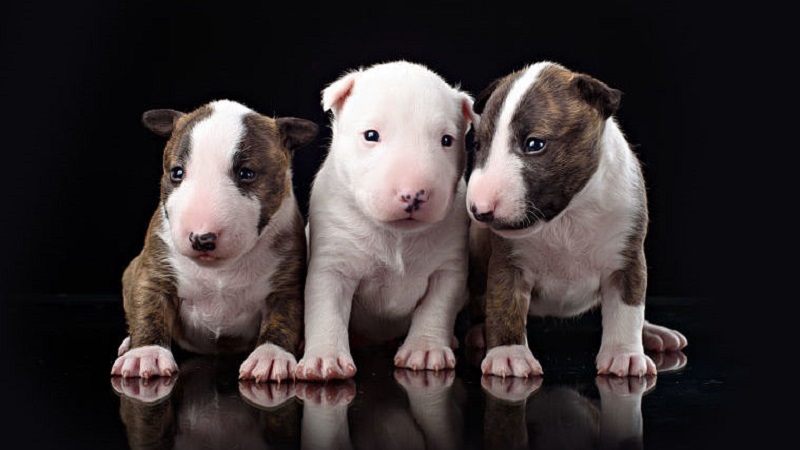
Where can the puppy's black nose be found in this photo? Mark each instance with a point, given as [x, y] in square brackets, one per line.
[203, 242]
[486, 216]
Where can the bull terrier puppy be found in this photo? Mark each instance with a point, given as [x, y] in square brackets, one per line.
[387, 227]
[559, 208]
[224, 259]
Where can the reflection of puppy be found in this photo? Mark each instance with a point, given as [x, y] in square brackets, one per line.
[559, 416]
[223, 265]
[387, 226]
[560, 215]
[201, 409]
[423, 409]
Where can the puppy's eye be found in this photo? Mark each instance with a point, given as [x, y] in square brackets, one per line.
[176, 174]
[534, 145]
[372, 136]
[447, 140]
[246, 174]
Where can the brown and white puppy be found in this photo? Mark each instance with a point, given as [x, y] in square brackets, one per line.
[224, 258]
[559, 213]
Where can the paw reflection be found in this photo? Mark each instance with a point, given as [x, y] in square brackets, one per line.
[206, 407]
[510, 389]
[332, 393]
[146, 390]
[524, 413]
[669, 361]
[266, 395]
[424, 380]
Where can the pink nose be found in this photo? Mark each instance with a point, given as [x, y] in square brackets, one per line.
[414, 199]
[482, 212]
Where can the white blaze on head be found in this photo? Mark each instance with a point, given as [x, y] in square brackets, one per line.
[498, 186]
[407, 172]
[208, 200]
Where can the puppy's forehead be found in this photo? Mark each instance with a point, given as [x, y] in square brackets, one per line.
[216, 127]
[403, 95]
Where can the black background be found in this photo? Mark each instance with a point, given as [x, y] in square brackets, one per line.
[81, 173]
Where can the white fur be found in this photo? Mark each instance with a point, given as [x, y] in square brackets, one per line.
[380, 278]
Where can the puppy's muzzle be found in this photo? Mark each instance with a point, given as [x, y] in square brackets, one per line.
[482, 216]
[203, 242]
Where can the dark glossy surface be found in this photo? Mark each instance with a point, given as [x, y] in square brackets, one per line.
[59, 352]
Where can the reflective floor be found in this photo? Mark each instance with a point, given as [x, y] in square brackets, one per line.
[59, 351]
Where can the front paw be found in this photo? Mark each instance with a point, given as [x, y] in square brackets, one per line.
[268, 362]
[623, 361]
[266, 395]
[145, 362]
[419, 354]
[327, 364]
[145, 390]
[511, 360]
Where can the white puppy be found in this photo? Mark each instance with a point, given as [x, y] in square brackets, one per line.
[387, 225]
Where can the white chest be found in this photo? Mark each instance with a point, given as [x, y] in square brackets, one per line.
[568, 260]
[226, 302]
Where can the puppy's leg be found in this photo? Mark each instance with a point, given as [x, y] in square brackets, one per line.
[329, 298]
[622, 305]
[429, 339]
[281, 329]
[507, 300]
[660, 339]
[479, 252]
[149, 308]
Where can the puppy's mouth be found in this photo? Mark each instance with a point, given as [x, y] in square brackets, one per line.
[206, 258]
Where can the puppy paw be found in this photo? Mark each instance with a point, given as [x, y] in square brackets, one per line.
[266, 395]
[420, 354]
[124, 346]
[325, 365]
[145, 362]
[623, 361]
[334, 393]
[511, 361]
[268, 362]
[659, 339]
[145, 390]
[512, 389]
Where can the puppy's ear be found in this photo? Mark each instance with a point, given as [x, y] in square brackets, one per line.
[336, 93]
[483, 97]
[468, 112]
[161, 121]
[598, 94]
[296, 133]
